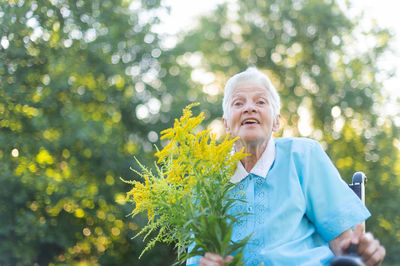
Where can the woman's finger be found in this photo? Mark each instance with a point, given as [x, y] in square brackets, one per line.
[377, 257]
[228, 259]
[365, 241]
[211, 259]
[358, 231]
[205, 262]
[370, 250]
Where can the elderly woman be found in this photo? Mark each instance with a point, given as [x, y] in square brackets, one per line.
[301, 211]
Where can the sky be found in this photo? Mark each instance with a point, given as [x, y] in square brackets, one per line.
[384, 12]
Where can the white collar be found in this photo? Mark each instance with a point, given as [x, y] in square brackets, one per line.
[262, 166]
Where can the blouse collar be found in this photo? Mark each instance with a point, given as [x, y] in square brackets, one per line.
[262, 166]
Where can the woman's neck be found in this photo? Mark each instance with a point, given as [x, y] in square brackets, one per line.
[254, 149]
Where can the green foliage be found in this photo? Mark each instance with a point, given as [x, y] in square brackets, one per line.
[69, 128]
[211, 224]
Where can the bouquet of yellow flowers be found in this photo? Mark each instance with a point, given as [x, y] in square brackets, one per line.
[188, 199]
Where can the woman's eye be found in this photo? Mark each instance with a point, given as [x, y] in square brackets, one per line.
[237, 103]
[261, 102]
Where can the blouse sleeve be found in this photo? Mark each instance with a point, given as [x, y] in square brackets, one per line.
[193, 261]
[330, 204]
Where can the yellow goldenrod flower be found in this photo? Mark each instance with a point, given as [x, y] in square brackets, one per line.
[190, 187]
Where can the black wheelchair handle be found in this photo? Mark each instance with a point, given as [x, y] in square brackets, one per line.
[347, 260]
[351, 259]
[353, 250]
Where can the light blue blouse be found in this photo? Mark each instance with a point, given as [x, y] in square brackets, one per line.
[299, 207]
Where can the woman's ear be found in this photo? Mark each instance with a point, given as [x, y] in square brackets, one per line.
[227, 129]
[277, 123]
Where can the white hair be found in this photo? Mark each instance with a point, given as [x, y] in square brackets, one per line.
[252, 74]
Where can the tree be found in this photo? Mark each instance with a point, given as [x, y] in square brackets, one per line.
[79, 90]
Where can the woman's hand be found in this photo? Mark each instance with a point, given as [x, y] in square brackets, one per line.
[212, 259]
[369, 248]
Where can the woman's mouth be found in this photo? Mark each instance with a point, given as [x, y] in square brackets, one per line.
[250, 121]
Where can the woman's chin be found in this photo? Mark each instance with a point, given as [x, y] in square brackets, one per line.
[251, 138]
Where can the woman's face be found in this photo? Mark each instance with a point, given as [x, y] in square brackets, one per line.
[250, 115]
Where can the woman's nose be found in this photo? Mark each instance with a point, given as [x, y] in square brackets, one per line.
[249, 108]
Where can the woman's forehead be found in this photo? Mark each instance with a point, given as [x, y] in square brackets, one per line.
[247, 89]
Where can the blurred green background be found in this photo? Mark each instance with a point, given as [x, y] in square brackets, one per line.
[87, 85]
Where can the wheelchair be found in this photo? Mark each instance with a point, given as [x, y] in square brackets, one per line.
[352, 258]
